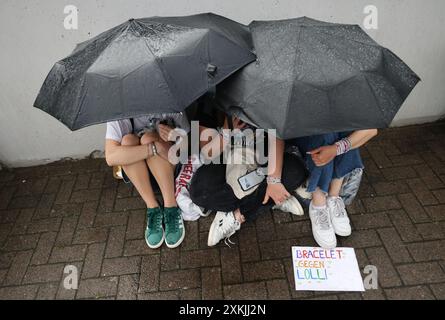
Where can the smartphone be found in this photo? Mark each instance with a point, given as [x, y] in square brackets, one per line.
[251, 180]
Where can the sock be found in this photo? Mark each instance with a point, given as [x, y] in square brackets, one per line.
[318, 207]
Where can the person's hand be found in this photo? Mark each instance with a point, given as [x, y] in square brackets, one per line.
[323, 155]
[164, 131]
[237, 123]
[277, 192]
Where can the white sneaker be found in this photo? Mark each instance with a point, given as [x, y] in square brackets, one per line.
[290, 205]
[339, 216]
[322, 228]
[302, 191]
[223, 227]
[205, 212]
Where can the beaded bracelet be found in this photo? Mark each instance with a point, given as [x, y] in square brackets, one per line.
[273, 180]
[154, 150]
[343, 146]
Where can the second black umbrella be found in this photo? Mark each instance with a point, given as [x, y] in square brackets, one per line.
[315, 77]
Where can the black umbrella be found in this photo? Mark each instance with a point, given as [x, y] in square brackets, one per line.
[314, 77]
[144, 66]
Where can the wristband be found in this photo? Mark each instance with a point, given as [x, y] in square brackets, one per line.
[343, 146]
[273, 180]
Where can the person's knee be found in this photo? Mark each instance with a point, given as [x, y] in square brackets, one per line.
[130, 140]
[149, 137]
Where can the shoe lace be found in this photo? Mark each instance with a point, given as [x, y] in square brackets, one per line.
[322, 219]
[339, 207]
[171, 220]
[228, 242]
[154, 220]
[228, 230]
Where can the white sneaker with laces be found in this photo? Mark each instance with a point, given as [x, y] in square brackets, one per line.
[290, 205]
[339, 216]
[223, 227]
[322, 228]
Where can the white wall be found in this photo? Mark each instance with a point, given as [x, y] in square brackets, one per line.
[32, 38]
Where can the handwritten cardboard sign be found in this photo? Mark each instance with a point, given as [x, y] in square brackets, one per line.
[318, 269]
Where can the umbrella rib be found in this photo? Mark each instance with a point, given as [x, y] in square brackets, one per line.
[162, 71]
[155, 59]
[297, 56]
[376, 101]
[100, 36]
[272, 53]
[149, 26]
[261, 89]
[94, 61]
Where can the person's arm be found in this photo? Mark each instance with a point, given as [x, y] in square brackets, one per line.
[275, 189]
[116, 154]
[325, 154]
[360, 137]
[275, 156]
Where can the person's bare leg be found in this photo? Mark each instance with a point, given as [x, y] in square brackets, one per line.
[335, 187]
[139, 175]
[318, 198]
[162, 170]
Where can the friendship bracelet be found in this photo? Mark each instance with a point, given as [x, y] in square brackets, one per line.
[343, 146]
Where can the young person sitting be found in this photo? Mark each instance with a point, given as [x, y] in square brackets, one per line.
[329, 158]
[140, 146]
[210, 188]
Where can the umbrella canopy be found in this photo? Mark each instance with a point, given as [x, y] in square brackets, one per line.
[314, 77]
[144, 66]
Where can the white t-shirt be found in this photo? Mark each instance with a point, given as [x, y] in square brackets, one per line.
[117, 129]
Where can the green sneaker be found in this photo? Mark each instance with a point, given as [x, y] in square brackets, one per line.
[154, 233]
[174, 227]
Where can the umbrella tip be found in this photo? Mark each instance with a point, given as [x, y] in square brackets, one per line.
[131, 20]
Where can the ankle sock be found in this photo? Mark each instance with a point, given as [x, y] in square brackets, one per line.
[319, 207]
